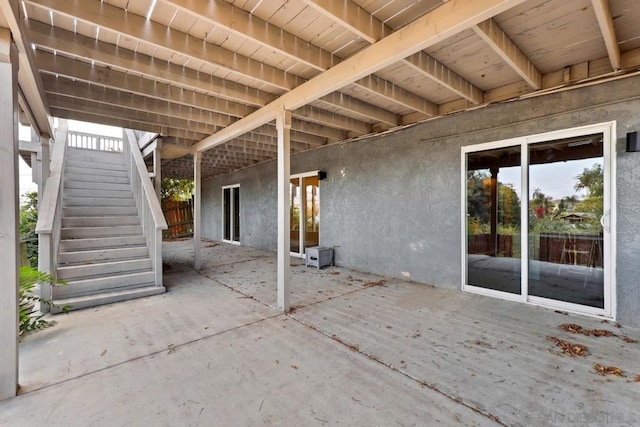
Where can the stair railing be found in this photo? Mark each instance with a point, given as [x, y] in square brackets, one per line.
[90, 141]
[151, 216]
[50, 212]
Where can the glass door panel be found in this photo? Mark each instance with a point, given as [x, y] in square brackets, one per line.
[566, 204]
[312, 211]
[236, 214]
[227, 214]
[295, 203]
[493, 220]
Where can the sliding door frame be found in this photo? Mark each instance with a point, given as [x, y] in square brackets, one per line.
[233, 215]
[608, 130]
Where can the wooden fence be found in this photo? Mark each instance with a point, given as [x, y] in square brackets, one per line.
[179, 216]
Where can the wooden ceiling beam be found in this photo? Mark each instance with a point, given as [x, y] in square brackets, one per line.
[243, 24]
[99, 109]
[104, 15]
[439, 24]
[605, 21]
[74, 114]
[131, 101]
[232, 98]
[117, 80]
[32, 99]
[316, 115]
[365, 112]
[360, 22]
[397, 94]
[501, 43]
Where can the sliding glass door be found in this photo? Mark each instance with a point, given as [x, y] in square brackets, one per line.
[305, 212]
[231, 214]
[537, 219]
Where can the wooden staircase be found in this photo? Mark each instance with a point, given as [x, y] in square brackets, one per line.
[103, 254]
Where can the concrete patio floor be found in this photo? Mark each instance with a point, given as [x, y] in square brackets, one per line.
[357, 349]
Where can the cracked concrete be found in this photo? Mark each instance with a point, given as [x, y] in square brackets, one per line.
[358, 349]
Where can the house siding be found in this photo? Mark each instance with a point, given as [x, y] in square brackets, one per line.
[391, 203]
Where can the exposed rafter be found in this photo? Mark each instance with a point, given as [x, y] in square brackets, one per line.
[500, 42]
[441, 23]
[605, 21]
[240, 22]
[32, 99]
[358, 21]
[145, 31]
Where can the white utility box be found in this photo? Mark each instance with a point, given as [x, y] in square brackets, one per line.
[319, 257]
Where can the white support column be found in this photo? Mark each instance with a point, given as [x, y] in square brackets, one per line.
[45, 163]
[9, 238]
[40, 163]
[197, 190]
[157, 168]
[283, 126]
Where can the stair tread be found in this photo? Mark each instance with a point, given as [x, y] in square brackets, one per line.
[120, 261]
[99, 261]
[99, 298]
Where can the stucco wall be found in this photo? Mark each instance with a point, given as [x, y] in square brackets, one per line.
[391, 204]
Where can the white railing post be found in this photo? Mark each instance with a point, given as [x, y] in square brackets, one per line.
[151, 216]
[49, 215]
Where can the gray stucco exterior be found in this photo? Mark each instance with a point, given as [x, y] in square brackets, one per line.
[391, 203]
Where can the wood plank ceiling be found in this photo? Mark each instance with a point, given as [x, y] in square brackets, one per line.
[189, 68]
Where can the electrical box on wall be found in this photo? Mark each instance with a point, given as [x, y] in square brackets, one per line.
[633, 142]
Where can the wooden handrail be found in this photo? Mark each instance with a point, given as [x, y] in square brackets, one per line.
[51, 197]
[147, 187]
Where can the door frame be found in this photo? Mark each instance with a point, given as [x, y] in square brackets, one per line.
[232, 214]
[608, 130]
[303, 208]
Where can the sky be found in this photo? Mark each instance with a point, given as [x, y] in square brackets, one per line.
[24, 134]
[553, 179]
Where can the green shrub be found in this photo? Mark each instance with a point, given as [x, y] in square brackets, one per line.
[30, 319]
[28, 220]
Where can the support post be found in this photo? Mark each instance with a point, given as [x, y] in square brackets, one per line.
[9, 237]
[197, 218]
[494, 249]
[283, 126]
[157, 168]
[42, 167]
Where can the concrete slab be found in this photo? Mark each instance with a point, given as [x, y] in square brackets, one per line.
[358, 349]
[97, 338]
[273, 372]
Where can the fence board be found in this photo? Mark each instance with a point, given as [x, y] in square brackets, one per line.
[179, 216]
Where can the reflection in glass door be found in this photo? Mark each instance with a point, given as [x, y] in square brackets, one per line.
[305, 212]
[548, 244]
[294, 187]
[493, 219]
[566, 204]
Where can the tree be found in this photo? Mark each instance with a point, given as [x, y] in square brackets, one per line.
[541, 204]
[593, 204]
[176, 189]
[592, 180]
[478, 195]
[508, 205]
[27, 226]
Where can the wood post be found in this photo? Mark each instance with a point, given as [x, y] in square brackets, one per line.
[283, 126]
[157, 168]
[9, 236]
[197, 218]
